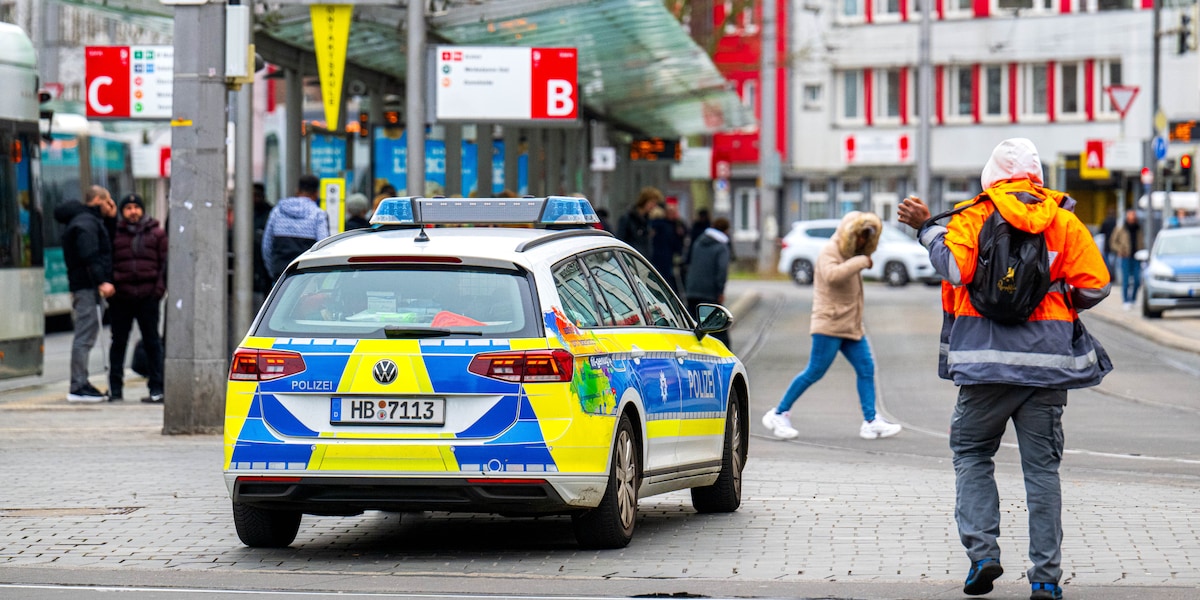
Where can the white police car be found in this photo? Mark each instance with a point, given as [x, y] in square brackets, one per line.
[520, 371]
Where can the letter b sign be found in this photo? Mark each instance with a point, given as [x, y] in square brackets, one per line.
[554, 91]
[559, 98]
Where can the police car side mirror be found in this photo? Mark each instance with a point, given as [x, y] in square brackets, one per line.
[1141, 255]
[713, 318]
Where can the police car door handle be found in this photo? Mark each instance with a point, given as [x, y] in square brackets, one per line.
[680, 353]
[636, 352]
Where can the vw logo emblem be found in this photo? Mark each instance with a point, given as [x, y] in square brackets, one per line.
[384, 371]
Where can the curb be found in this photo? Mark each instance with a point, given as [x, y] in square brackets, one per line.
[1152, 332]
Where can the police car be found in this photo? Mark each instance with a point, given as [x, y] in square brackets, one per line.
[431, 363]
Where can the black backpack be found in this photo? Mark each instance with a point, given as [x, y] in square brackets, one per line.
[1012, 272]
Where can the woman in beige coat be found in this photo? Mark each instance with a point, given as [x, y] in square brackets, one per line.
[837, 325]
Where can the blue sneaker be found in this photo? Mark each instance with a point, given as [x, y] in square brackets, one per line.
[982, 574]
[1046, 591]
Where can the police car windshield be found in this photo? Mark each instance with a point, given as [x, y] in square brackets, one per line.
[401, 301]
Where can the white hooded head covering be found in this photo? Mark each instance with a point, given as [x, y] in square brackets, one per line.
[1014, 158]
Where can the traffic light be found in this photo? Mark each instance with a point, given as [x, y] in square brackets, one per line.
[1185, 171]
[364, 124]
[1185, 32]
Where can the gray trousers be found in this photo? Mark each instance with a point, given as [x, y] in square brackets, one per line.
[980, 416]
[85, 310]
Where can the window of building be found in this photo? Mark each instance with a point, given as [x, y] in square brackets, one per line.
[852, 95]
[1105, 5]
[750, 93]
[959, 9]
[888, 91]
[1033, 92]
[995, 92]
[1070, 92]
[1024, 7]
[813, 96]
[8, 12]
[852, 10]
[960, 93]
[1108, 73]
[886, 10]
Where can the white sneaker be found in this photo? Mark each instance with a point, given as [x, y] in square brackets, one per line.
[878, 428]
[780, 425]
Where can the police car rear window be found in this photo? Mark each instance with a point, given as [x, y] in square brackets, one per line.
[401, 302]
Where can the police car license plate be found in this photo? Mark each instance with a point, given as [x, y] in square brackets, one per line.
[388, 411]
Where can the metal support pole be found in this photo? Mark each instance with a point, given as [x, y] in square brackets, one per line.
[243, 208]
[294, 98]
[924, 102]
[415, 99]
[196, 360]
[767, 162]
[243, 214]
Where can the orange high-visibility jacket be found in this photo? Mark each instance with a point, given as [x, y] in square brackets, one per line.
[1042, 351]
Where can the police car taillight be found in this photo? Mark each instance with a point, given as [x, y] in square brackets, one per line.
[530, 366]
[252, 364]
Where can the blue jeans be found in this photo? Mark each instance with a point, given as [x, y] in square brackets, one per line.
[824, 350]
[1131, 278]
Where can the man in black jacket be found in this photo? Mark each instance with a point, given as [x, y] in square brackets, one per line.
[87, 252]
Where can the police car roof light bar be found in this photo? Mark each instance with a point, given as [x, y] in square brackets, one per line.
[552, 211]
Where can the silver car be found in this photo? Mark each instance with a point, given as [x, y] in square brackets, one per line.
[1171, 278]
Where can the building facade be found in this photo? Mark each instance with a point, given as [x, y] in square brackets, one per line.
[1060, 72]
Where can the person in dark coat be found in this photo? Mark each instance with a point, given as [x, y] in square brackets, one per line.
[708, 270]
[262, 212]
[87, 252]
[666, 242]
[634, 226]
[140, 277]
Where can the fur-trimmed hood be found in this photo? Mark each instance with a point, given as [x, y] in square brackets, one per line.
[848, 230]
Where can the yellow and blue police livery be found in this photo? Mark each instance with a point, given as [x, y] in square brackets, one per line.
[431, 363]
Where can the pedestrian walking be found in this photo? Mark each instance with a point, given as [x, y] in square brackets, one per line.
[357, 206]
[708, 271]
[1127, 240]
[295, 224]
[634, 226]
[1019, 372]
[837, 326]
[87, 252]
[262, 212]
[140, 278]
[668, 235]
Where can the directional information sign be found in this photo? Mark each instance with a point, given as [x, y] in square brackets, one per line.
[129, 82]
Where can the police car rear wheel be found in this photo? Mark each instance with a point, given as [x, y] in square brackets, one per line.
[725, 495]
[610, 525]
[265, 528]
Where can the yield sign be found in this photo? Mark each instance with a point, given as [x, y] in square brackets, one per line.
[1122, 97]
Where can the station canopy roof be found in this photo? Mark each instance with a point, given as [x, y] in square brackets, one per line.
[638, 68]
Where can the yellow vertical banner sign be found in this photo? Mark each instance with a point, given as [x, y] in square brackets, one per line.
[331, 33]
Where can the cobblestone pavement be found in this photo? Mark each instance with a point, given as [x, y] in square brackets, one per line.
[96, 489]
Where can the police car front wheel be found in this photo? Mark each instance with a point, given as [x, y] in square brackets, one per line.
[610, 524]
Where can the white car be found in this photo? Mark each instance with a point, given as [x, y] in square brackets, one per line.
[898, 260]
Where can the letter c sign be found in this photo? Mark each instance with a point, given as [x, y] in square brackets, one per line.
[93, 95]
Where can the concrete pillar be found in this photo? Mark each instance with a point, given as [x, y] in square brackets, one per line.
[483, 168]
[537, 162]
[197, 362]
[512, 159]
[453, 139]
[554, 161]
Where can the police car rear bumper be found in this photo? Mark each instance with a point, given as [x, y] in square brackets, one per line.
[353, 495]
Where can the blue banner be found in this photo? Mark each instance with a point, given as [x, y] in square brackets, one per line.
[390, 165]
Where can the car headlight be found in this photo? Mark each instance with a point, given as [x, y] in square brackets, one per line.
[1160, 272]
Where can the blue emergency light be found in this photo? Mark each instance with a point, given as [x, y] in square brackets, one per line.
[551, 211]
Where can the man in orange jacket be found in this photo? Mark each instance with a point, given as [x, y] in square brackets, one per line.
[1020, 372]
